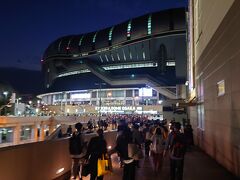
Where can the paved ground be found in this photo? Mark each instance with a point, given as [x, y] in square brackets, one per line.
[198, 166]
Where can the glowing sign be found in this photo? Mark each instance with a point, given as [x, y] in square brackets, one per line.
[117, 108]
[145, 92]
[81, 96]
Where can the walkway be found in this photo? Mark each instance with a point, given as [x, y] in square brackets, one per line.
[198, 166]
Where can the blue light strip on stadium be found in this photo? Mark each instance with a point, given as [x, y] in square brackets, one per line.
[110, 33]
[150, 24]
[129, 28]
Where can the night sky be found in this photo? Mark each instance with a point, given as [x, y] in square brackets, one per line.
[29, 26]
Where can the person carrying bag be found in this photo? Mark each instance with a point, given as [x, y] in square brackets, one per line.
[122, 147]
[77, 147]
[96, 148]
[104, 165]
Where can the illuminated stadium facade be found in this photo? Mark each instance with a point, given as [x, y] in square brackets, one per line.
[121, 62]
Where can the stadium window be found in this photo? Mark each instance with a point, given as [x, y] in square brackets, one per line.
[94, 94]
[112, 57]
[106, 58]
[118, 56]
[59, 45]
[170, 63]
[144, 56]
[149, 24]
[129, 93]
[94, 37]
[101, 58]
[124, 56]
[129, 102]
[69, 42]
[80, 42]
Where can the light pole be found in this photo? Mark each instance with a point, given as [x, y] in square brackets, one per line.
[5, 93]
[18, 99]
[100, 98]
[30, 107]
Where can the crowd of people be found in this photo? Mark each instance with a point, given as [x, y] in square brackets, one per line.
[157, 139]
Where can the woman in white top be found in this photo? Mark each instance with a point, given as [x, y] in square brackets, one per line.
[158, 144]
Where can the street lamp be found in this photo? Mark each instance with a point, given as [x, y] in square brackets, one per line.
[5, 93]
[37, 110]
[18, 99]
[100, 97]
[109, 94]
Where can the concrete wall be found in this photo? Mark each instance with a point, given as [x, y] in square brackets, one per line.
[40, 160]
[217, 57]
[209, 16]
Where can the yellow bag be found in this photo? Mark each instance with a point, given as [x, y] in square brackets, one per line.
[104, 166]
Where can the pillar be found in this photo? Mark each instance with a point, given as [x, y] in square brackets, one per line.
[42, 132]
[51, 125]
[16, 132]
[35, 131]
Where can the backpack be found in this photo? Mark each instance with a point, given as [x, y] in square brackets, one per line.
[178, 146]
[75, 144]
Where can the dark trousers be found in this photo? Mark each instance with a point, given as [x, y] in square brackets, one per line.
[93, 164]
[129, 171]
[94, 177]
[147, 147]
[176, 169]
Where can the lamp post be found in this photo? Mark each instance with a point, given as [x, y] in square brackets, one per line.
[100, 97]
[18, 99]
[30, 107]
[5, 93]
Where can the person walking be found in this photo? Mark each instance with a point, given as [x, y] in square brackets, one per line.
[137, 138]
[177, 147]
[129, 165]
[96, 148]
[76, 149]
[188, 134]
[158, 145]
[69, 130]
[147, 138]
